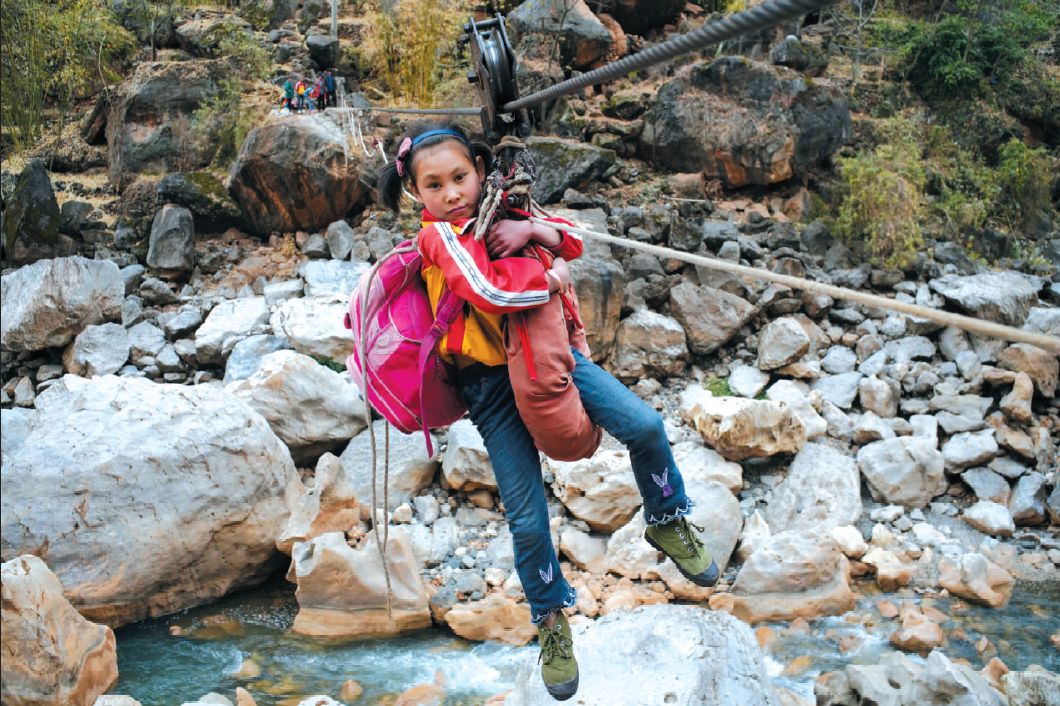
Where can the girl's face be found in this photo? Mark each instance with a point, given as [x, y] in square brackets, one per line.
[446, 181]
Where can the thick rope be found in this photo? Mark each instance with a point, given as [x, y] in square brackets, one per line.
[967, 323]
[380, 540]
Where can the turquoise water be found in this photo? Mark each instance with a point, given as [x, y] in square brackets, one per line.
[160, 669]
[1020, 635]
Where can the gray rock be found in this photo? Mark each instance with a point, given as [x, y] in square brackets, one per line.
[899, 681]
[183, 323]
[781, 342]
[98, 350]
[15, 425]
[132, 275]
[747, 381]
[535, 26]
[132, 311]
[314, 326]
[49, 302]
[952, 342]
[31, 218]
[410, 469]
[564, 164]
[1053, 504]
[712, 658]
[910, 348]
[907, 470]
[955, 423]
[246, 356]
[962, 405]
[874, 364]
[840, 390]
[207, 474]
[969, 365]
[1035, 687]
[331, 277]
[232, 319]
[324, 50]
[969, 449]
[710, 317]
[1043, 320]
[1005, 466]
[987, 485]
[340, 238]
[879, 396]
[277, 292]
[990, 518]
[24, 395]
[1042, 366]
[311, 408]
[315, 246]
[1028, 500]
[155, 291]
[649, 344]
[839, 359]
[1005, 297]
[204, 195]
[145, 341]
[822, 490]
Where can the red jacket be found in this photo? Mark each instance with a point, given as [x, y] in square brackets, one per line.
[453, 258]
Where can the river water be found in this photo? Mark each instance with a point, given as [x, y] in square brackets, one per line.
[161, 669]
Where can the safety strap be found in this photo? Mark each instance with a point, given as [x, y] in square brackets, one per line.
[449, 307]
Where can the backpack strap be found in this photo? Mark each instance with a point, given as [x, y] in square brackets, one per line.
[449, 307]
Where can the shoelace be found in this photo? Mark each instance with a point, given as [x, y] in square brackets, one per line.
[553, 643]
[690, 539]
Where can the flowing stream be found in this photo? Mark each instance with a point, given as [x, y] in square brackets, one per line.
[161, 669]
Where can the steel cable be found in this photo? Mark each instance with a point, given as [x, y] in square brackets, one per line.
[768, 14]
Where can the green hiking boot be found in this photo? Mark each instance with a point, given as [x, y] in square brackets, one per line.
[559, 669]
[680, 541]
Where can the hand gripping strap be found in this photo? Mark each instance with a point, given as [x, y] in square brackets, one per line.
[449, 307]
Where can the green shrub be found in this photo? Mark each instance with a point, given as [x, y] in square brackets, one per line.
[981, 43]
[1023, 183]
[882, 203]
[719, 387]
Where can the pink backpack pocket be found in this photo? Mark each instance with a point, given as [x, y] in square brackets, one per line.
[395, 357]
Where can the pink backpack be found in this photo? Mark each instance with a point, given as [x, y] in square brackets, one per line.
[404, 378]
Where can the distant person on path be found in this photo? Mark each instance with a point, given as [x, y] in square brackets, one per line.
[321, 94]
[300, 90]
[288, 94]
[329, 87]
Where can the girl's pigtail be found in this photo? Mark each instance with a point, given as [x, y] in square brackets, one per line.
[390, 187]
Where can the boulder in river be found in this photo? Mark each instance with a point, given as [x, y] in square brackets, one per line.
[496, 617]
[296, 175]
[822, 490]
[790, 575]
[191, 471]
[52, 655]
[977, 579]
[661, 654]
[342, 589]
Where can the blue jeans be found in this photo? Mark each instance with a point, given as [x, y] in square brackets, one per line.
[517, 467]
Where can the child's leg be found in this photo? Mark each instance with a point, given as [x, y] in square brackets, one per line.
[517, 467]
[630, 420]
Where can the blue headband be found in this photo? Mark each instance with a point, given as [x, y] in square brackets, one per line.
[433, 133]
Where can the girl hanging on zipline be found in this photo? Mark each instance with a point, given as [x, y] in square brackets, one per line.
[444, 171]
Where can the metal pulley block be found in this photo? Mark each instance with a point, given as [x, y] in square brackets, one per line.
[494, 79]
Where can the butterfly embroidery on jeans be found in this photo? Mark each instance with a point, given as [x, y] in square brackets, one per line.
[663, 483]
[546, 576]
